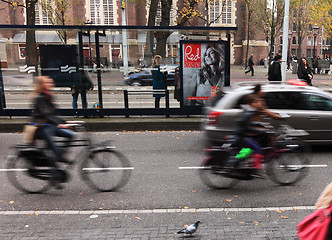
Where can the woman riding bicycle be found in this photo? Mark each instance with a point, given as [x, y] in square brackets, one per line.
[49, 124]
[248, 130]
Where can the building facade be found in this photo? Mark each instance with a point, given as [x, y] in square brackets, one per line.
[227, 13]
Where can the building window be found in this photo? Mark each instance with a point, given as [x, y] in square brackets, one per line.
[43, 16]
[294, 40]
[220, 14]
[309, 42]
[280, 40]
[101, 12]
[309, 53]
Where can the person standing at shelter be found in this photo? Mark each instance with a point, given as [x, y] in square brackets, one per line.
[275, 69]
[251, 65]
[81, 87]
[159, 79]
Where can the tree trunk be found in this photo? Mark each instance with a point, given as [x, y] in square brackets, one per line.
[148, 52]
[31, 49]
[162, 36]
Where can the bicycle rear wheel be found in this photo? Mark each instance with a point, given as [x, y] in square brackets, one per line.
[106, 170]
[21, 174]
[291, 166]
[211, 176]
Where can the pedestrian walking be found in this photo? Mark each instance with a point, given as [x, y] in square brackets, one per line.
[304, 71]
[251, 65]
[275, 69]
[318, 225]
[159, 79]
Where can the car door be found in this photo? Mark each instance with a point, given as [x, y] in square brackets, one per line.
[308, 110]
[319, 115]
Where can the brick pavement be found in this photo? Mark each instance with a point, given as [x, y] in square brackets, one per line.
[233, 223]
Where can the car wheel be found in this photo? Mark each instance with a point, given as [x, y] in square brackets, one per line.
[136, 83]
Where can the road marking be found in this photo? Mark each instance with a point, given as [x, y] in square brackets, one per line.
[111, 168]
[84, 169]
[308, 166]
[157, 211]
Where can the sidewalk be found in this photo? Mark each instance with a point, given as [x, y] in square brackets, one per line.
[228, 224]
[153, 123]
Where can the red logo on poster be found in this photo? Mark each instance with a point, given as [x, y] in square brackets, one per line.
[192, 55]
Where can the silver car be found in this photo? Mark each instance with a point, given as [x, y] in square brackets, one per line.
[309, 108]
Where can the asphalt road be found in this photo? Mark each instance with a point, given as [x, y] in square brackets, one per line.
[159, 180]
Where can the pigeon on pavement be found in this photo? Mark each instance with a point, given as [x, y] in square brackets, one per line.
[191, 229]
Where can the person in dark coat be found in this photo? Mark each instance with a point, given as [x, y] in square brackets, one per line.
[275, 69]
[49, 124]
[159, 79]
[304, 71]
[251, 65]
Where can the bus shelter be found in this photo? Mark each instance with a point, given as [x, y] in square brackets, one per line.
[113, 64]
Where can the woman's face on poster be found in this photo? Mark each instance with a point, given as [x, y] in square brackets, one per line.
[210, 56]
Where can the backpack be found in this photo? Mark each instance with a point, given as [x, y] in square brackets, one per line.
[315, 226]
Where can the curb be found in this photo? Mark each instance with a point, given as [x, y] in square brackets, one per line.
[135, 125]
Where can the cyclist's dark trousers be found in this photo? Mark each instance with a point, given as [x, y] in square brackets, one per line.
[253, 144]
[48, 133]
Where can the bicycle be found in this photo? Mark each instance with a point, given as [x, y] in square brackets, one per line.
[286, 158]
[100, 165]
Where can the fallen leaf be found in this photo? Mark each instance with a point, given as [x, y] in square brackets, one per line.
[300, 194]
[283, 217]
[236, 196]
[242, 222]
[186, 207]
[185, 161]
[37, 214]
[100, 208]
[177, 138]
[193, 191]
[229, 218]
[138, 218]
[228, 200]
[116, 218]
[11, 202]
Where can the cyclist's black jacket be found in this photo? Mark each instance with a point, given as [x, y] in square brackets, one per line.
[245, 126]
[44, 110]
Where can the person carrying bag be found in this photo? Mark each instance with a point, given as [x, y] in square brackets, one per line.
[318, 225]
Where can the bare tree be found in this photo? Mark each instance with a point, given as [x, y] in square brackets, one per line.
[57, 14]
[269, 18]
[300, 20]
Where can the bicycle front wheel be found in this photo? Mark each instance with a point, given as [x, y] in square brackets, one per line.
[211, 177]
[291, 166]
[106, 170]
[21, 174]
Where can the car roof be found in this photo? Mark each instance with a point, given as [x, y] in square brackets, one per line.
[242, 88]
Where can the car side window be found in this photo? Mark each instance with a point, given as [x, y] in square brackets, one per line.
[278, 100]
[317, 102]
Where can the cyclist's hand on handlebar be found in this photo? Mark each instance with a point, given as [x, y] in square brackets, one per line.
[65, 126]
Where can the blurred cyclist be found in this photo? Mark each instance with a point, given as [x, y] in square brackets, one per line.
[48, 123]
[259, 94]
[247, 130]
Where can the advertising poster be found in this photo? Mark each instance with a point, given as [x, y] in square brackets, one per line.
[203, 71]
